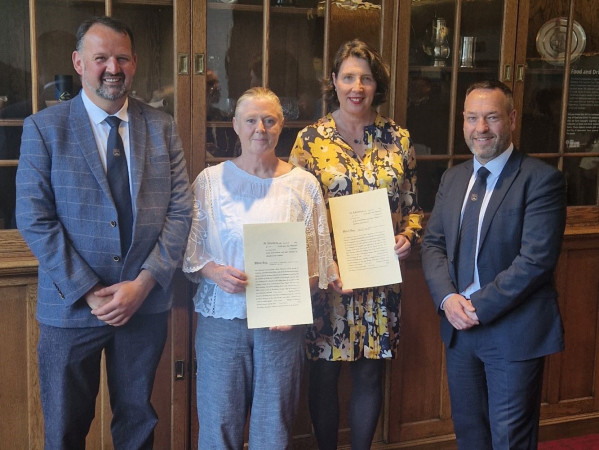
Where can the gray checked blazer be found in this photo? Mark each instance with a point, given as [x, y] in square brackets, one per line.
[66, 214]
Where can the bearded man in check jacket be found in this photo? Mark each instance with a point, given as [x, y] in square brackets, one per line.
[98, 289]
[500, 326]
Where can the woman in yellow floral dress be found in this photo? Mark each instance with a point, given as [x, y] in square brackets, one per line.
[351, 150]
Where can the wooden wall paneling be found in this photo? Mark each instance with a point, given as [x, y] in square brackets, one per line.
[570, 402]
[419, 399]
[573, 388]
[21, 421]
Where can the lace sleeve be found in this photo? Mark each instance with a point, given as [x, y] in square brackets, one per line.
[196, 254]
[320, 255]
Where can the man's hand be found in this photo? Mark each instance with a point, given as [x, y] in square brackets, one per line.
[94, 301]
[460, 312]
[123, 299]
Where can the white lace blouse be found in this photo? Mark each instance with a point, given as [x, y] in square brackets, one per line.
[227, 197]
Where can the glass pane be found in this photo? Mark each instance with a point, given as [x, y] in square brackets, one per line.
[295, 70]
[152, 27]
[581, 176]
[286, 140]
[7, 197]
[544, 79]
[430, 172]
[234, 63]
[429, 85]
[57, 24]
[582, 122]
[480, 48]
[428, 113]
[15, 61]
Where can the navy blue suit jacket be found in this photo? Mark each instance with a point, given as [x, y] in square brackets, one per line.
[520, 243]
[67, 216]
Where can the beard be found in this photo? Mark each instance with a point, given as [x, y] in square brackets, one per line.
[108, 93]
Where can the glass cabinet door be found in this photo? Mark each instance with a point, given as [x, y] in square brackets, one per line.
[234, 42]
[279, 44]
[560, 116]
[152, 25]
[15, 99]
[452, 44]
[38, 70]
[257, 43]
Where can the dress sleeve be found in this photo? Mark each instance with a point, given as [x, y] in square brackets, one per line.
[196, 253]
[300, 155]
[410, 211]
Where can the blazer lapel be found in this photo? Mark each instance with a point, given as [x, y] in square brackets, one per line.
[137, 142]
[505, 181]
[83, 134]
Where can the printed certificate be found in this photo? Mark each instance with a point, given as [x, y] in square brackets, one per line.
[276, 263]
[364, 239]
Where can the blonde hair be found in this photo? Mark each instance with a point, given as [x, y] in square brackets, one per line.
[257, 93]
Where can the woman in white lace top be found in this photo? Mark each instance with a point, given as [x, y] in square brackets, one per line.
[243, 370]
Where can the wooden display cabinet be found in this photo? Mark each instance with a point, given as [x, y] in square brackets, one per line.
[185, 47]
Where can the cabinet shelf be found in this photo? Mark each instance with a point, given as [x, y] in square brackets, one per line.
[130, 2]
[288, 123]
[286, 10]
[448, 69]
[11, 122]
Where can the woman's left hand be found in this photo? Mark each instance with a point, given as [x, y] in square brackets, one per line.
[281, 328]
[402, 246]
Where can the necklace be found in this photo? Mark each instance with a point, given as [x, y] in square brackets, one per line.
[344, 132]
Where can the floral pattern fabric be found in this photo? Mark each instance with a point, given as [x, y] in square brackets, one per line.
[365, 323]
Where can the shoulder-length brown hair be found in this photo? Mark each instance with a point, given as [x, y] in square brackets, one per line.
[380, 72]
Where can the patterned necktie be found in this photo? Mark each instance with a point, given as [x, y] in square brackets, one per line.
[118, 179]
[469, 230]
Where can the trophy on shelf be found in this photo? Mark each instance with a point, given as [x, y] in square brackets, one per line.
[436, 44]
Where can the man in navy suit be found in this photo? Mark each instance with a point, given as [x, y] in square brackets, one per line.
[98, 291]
[499, 327]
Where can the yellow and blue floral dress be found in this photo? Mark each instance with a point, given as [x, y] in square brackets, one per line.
[365, 323]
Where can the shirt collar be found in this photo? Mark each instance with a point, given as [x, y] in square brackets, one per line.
[496, 165]
[97, 114]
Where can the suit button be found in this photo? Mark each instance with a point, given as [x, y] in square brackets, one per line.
[116, 258]
[113, 223]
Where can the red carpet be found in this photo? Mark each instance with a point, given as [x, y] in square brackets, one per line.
[589, 442]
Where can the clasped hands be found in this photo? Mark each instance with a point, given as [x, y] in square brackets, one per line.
[460, 312]
[117, 303]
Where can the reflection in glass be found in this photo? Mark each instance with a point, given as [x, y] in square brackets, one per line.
[430, 172]
[234, 39]
[57, 23]
[428, 112]
[15, 64]
[543, 87]
[152, 28]
[295, 70]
